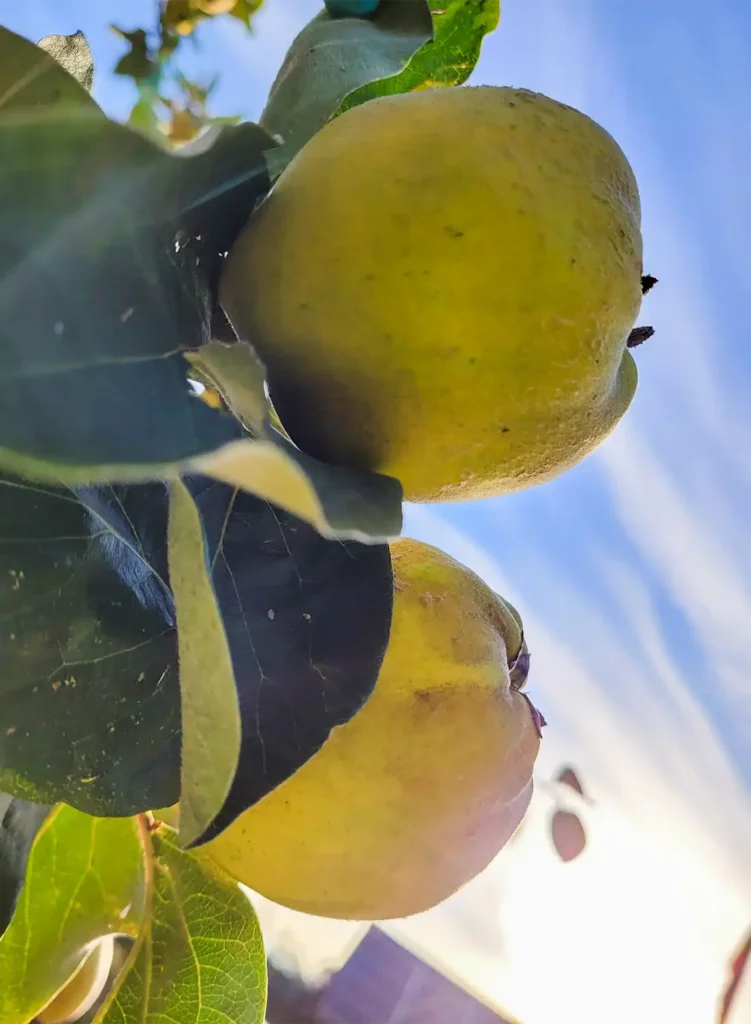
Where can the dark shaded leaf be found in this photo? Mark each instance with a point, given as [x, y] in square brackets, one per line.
[739, 968]
[211, 727]
[110, 249]
[30, 76]
[307, 621]
[86, 879]
[74, 54]
[331, 58]
[19, 824]
[89, 700]
[459, 27]
[568, 835]
[200, 957]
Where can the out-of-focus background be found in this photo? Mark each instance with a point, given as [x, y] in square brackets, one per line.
[632, 572]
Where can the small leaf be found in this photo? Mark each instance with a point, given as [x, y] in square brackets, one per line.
[331, 58]
[85, 879]
[568, 835]
[32, 77]
[211, 730]
[308, 622]
[138, 63]
[239, 376]
[19, 823]
[74, 54]
[740, 966]
[459, 27]
[201, 957]
[568, 777]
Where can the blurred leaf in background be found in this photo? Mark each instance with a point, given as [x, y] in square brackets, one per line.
[169, 104]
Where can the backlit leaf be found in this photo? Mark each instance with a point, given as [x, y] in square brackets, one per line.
[85, 879]
[211, 728]
[201, 958]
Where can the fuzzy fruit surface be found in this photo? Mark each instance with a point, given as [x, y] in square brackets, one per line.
[418, 792]
[441, 285]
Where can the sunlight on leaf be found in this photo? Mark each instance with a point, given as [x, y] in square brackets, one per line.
[74, 54]
[211, 730]
[85, 879]
[201, 958]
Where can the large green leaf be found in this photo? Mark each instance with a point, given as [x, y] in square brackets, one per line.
[109, 258]
[19, 823]
[85, 879]
[211, 727]
[200, 959]
[336, 63]
[459, 27]
[89, 700]
[89, 693]
[33, 76]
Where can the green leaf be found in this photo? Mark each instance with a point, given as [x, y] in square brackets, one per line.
[238, 374]
[459, 27]
[89, 699]
[211, 730]
[32, 77]
[110, 250]
[308, 622]
[74, 54]
[336, 63]
[332, 57]
[339, 502]
[85, 879]
[138, 63]
[19, 824]
[201, 959]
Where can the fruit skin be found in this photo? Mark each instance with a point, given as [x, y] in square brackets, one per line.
[441, 285]
[418, 792]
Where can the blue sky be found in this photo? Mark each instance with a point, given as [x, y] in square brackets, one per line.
[633, 571]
